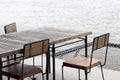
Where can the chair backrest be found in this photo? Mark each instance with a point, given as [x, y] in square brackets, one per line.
[10, 28]
[36, 48]
[100, 41]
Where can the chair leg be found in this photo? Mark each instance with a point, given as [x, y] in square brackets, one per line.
[79, 74]
[62, 73]
[8, 58]
[43, 76]
[33, 78]
[8, 78]
[86, 75]
[102, 71]
[15, 57]
[20, 79]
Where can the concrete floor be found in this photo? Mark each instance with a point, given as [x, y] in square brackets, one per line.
[72, 74]
[113, 57]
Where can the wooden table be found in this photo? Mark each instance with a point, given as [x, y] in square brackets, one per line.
[12, 43]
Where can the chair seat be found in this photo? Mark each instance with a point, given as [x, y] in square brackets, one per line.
[81, 62]
[15, 71]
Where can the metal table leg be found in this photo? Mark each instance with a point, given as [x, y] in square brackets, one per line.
[48, 65]
[53, 52]
[85, 46]
[1, 69]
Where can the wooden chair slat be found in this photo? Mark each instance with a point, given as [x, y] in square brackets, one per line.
[10, 28]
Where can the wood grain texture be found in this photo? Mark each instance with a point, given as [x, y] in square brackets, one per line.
[13, 42]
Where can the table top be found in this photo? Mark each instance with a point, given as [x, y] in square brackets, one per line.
[13, 42]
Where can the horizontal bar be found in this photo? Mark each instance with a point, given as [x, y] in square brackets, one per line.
[71, 49]
[69, 43]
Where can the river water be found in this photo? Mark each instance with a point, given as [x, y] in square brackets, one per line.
[98, 16]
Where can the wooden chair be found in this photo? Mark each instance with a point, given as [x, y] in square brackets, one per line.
[22, 70]
[11, 60]
[86, 63]
[10, 28]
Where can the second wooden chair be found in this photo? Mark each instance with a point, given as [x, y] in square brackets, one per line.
[86, 63]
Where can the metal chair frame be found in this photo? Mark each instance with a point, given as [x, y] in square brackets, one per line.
[29, 53]
[98, 43]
